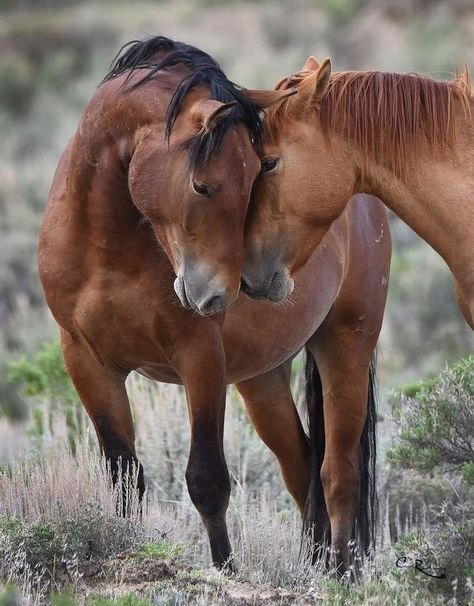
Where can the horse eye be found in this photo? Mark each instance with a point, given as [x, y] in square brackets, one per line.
[201, 189]
[269, 165]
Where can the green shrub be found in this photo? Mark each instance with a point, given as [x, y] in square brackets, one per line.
[129, 599]
[39, 542]
[436, 423]
[45, 379]
[468, 473]
[88, 532]
[446, 547]
[161, 550]
[9, 596]
[45, 375]
[12, 404]
[436, 436]
[342, 11]
[62, 600]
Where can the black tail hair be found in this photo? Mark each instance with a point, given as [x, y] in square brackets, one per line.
[316, 520]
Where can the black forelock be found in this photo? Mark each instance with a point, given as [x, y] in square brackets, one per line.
[203, 70]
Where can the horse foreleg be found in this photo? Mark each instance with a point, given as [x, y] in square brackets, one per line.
[273, 413]
[102, 391]
[203, 373]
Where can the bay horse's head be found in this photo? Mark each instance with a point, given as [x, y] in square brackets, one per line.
[191, 174]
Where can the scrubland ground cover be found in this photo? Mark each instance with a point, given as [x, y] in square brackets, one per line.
[55, 52]
[61, 538]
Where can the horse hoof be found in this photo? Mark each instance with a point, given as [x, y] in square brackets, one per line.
[228, 566]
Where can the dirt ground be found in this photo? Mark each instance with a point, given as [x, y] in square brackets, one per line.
[154, 577]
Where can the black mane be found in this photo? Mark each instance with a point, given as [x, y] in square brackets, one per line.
[203, 70]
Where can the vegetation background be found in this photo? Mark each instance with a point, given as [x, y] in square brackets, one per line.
[53, 53]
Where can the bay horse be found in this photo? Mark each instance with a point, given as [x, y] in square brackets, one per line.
[147, 210]
[405, 138]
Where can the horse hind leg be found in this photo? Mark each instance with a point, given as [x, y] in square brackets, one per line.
[103, 394]
[346, 469]
[270, 405]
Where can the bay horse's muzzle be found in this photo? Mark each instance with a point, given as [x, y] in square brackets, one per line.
[203, 293]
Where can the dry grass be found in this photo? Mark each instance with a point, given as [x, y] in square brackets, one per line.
[68, 534]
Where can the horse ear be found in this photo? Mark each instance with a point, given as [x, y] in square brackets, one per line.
[207, 114]
[264, 99]
[311, 65]
[322, 81]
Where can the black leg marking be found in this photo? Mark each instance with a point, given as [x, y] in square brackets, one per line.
[122, 460]
[208, 483]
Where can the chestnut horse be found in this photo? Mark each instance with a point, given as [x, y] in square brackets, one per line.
[405, 138]
[152, 191]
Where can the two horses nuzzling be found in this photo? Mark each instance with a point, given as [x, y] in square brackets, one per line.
[149, 236]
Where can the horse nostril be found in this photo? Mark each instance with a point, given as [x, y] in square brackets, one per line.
[244, 286]
[212, 305]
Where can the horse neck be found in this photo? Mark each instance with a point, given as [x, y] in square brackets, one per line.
[97, 186]
[435, 198]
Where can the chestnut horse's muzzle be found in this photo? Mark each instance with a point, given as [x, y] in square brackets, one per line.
[275, 286]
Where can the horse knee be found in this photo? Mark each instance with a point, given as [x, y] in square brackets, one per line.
[209, 487]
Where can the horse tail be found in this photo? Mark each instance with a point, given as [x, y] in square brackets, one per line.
[366, 516]
[316, 520]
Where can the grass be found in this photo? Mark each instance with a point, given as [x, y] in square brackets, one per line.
[162, 550]
[60, 533]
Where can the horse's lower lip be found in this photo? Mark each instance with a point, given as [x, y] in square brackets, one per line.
[276, 276]
[255, 293]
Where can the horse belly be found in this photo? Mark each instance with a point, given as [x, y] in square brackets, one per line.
[160, 372]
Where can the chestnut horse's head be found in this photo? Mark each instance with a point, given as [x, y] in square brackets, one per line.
[191, 175]
[340, 134]
[281, 229]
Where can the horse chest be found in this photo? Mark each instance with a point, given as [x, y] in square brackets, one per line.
[121, 322]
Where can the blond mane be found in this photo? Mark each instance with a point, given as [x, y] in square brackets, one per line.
[389, 117]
